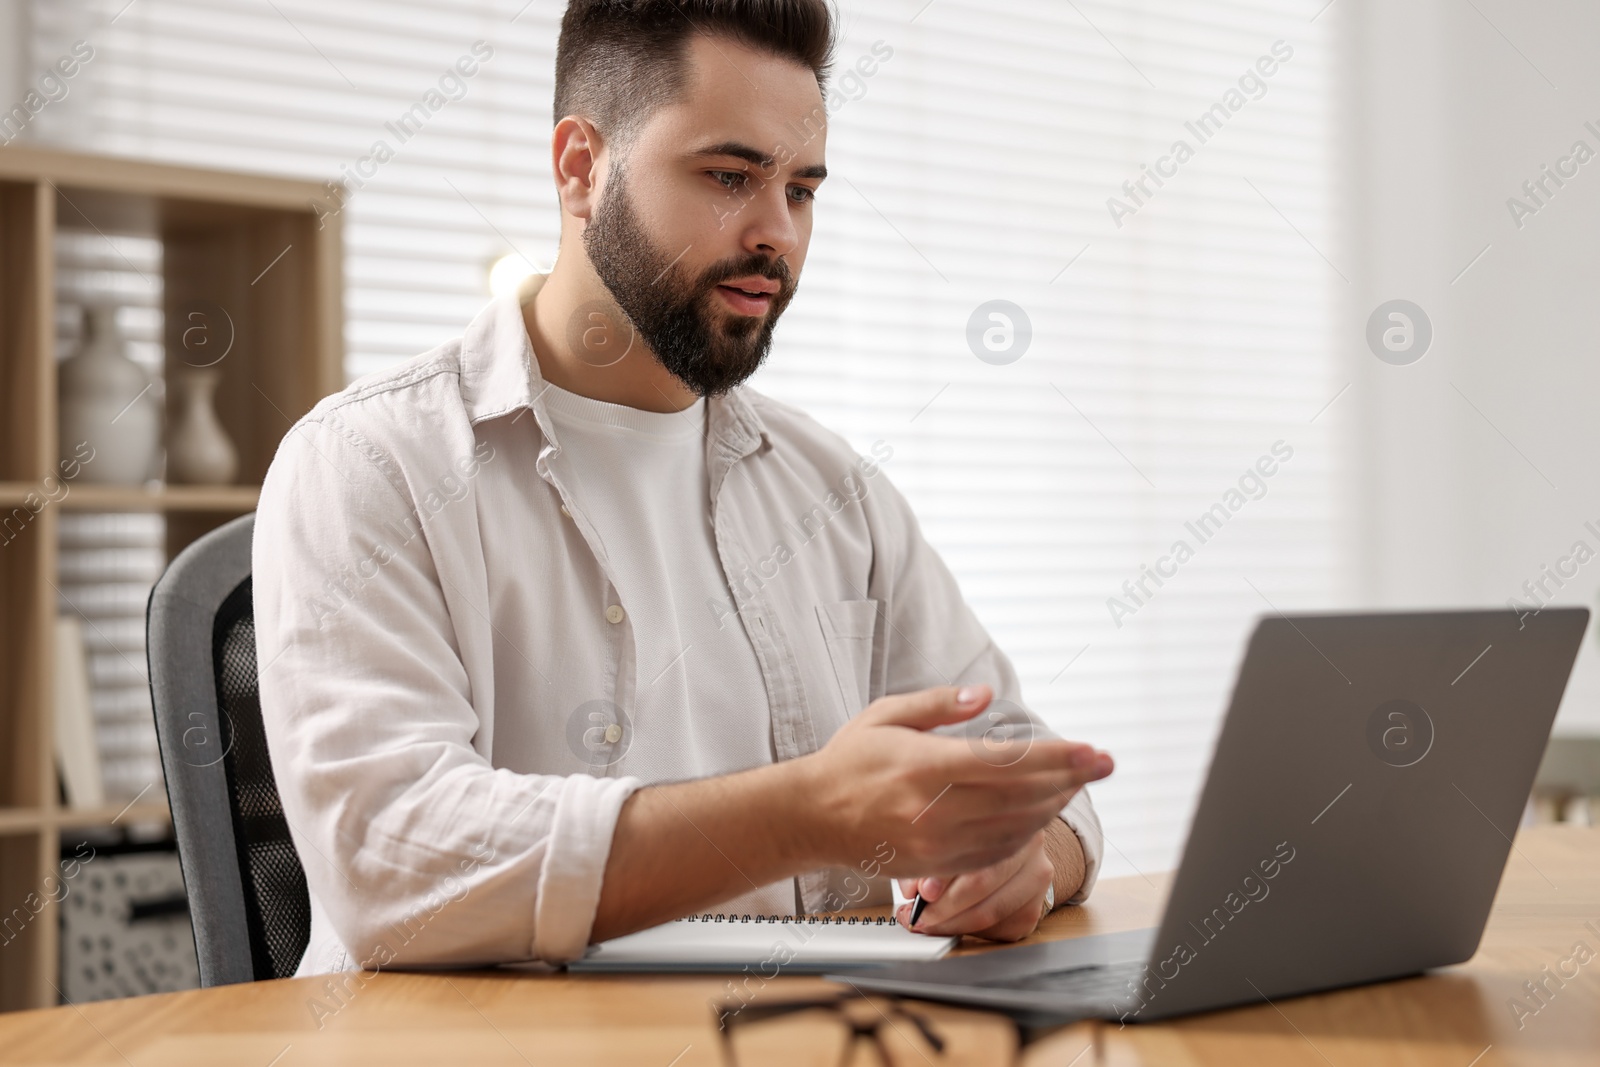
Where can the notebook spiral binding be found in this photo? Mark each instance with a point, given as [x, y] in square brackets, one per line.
[836, 920]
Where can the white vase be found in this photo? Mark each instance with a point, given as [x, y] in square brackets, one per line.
[106, 401]
[198, 451]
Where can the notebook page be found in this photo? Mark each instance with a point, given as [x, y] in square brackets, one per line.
[770, 943]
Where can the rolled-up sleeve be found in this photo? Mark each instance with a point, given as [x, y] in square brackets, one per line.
[1085, 822]
[930, 636]
[419, 851]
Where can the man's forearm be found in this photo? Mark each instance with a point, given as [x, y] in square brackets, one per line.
[1061, 844]
[682, 847]
[686, 846]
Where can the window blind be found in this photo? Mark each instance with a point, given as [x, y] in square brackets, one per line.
[1174, 339]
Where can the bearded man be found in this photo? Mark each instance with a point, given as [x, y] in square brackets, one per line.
[564, 632]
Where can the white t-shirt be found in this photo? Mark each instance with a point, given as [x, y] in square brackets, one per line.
[638, 469]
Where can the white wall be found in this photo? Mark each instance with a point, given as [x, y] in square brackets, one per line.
[1449, 115]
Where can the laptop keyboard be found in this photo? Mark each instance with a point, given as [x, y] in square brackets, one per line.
[1110, 983]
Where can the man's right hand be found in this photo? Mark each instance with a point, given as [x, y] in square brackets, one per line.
[935, 799]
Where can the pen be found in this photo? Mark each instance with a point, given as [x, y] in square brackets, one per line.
[917, 904]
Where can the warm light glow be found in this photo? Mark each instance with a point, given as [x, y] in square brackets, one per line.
[509, 270]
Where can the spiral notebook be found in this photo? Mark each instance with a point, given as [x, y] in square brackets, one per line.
[790, 944]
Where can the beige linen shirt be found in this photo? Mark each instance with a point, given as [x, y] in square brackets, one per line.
[447, 669]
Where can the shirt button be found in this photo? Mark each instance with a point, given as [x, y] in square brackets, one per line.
[614, 613]
[565, 512]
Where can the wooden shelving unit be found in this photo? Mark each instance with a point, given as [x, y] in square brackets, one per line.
[218, 231]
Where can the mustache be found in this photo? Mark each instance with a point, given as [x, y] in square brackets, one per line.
[779, 273]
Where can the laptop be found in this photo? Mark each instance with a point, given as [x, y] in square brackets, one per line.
[1359, 810]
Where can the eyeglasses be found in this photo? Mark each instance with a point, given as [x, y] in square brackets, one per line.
[827, 1031]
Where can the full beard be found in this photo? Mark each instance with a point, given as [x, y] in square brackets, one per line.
[709, 349]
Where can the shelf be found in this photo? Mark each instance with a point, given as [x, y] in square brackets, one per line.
[86, 497]
[110, 815]
[170, 189]
[14, 821]
[20, 820]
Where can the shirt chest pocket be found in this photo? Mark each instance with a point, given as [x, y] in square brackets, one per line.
[848, 628]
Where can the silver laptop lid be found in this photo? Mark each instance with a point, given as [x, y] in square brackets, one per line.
[1361, 803]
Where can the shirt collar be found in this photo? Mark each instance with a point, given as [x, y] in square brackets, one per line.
[500, 375]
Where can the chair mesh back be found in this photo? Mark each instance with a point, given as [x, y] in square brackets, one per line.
[277, 905]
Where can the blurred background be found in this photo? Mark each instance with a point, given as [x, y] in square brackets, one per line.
[1082, 264]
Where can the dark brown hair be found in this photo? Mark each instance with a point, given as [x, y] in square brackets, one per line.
[618, 61]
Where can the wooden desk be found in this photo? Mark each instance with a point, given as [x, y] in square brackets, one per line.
[1455, 1018]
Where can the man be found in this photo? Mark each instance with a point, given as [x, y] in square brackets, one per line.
[563, 632]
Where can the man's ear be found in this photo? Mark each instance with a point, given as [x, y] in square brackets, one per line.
[577, 154]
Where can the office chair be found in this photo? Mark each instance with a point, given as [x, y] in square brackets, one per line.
[247, 889]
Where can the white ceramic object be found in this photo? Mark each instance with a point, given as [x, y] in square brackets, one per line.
[106, 399]
[198, 451]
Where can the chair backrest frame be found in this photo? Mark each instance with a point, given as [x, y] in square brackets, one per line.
[179, 623]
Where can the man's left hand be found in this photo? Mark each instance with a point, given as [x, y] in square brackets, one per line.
[1001, 902]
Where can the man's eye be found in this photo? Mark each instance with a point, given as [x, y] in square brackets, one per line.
[738, 177]
[806, 194]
